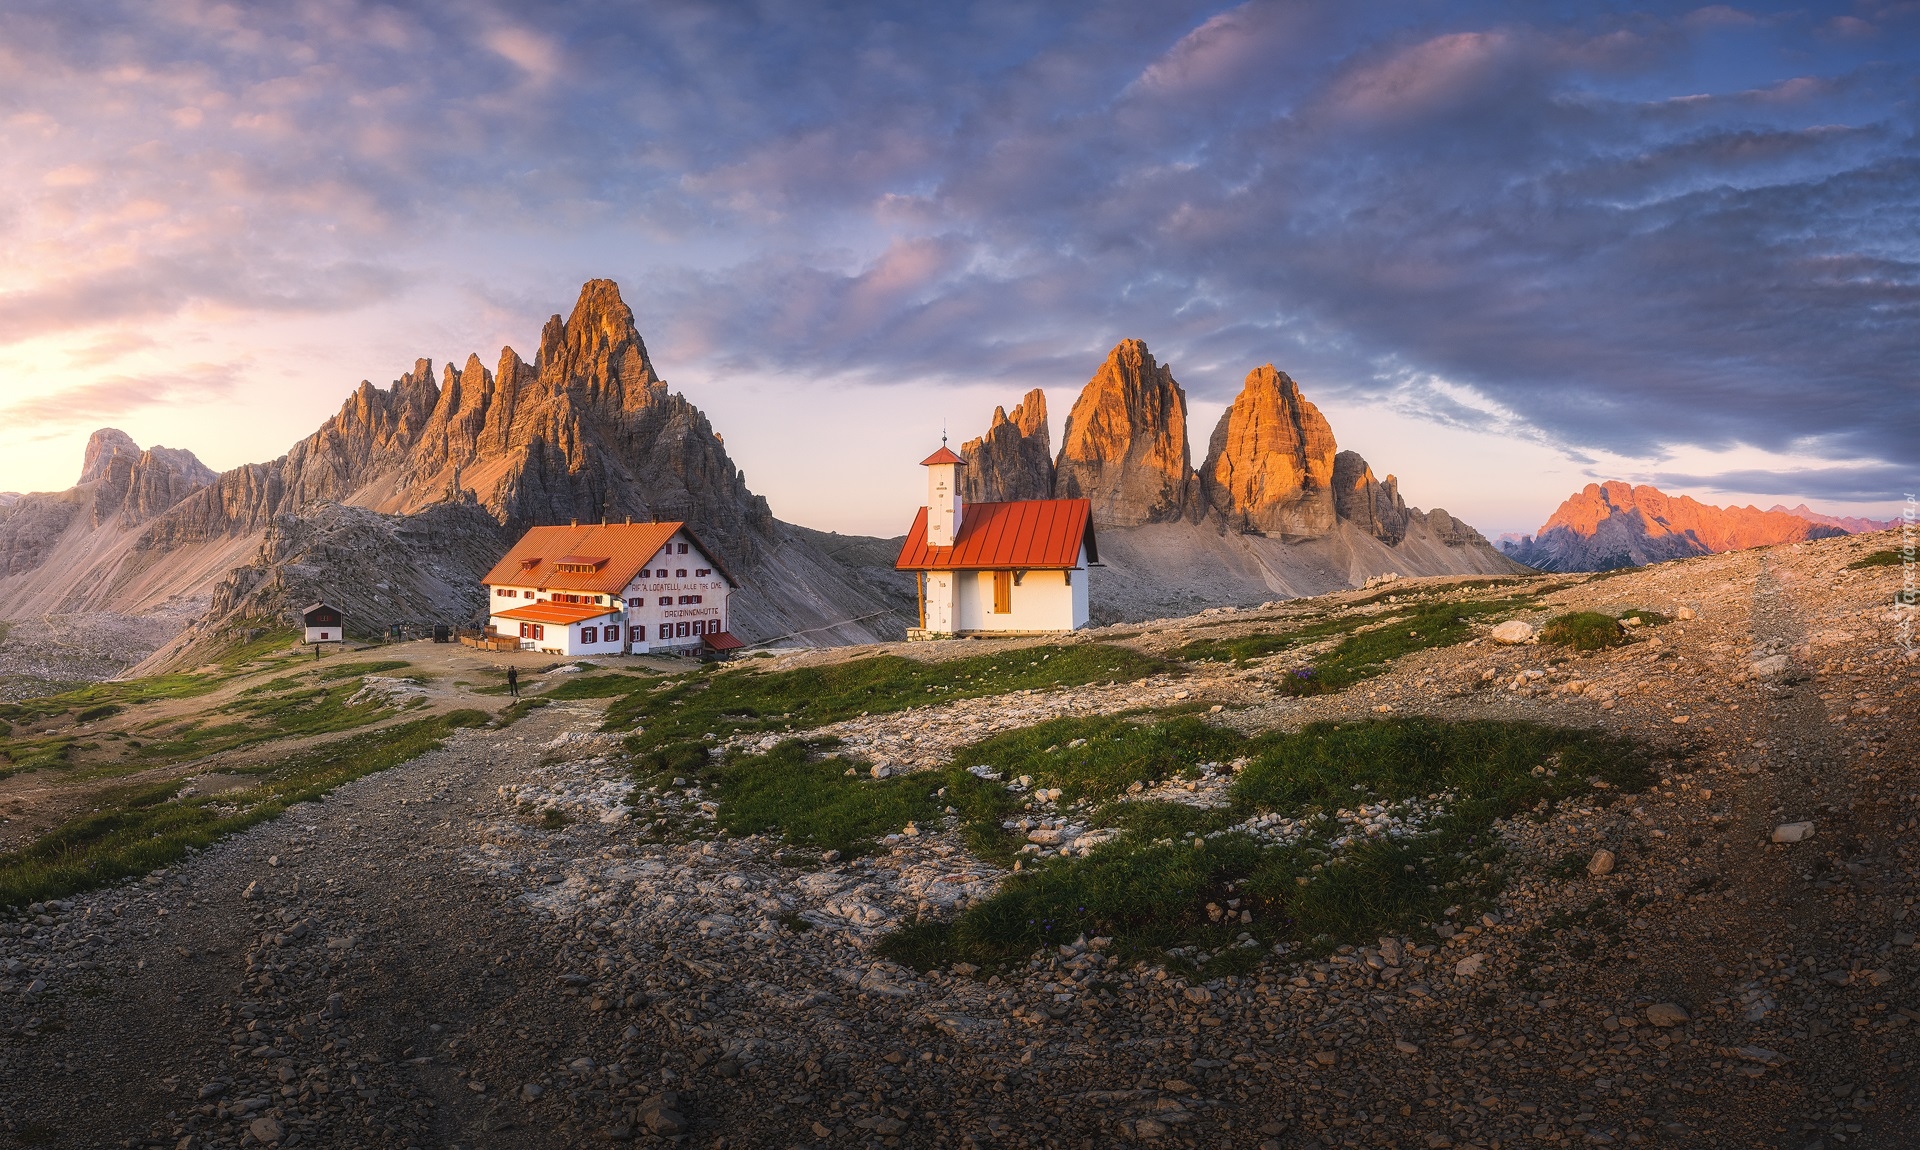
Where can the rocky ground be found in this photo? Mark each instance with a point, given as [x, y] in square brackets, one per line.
[491, 945]
[52, 652]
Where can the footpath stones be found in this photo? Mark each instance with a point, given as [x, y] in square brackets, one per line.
[1793, 832]
[1513, 632]
[1601, 863]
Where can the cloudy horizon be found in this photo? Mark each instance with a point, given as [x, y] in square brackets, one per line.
[1508, 249]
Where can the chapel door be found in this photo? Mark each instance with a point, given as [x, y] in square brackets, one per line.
[1003, 592]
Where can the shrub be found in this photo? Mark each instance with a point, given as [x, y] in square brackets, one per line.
[1892, 557]
[1584, 631]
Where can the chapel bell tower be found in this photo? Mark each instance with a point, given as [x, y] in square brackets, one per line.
[943, 496]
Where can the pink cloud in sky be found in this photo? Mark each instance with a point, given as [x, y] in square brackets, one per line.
[106, 400]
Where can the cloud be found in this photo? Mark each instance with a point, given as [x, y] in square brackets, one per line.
[111, 347]
[1619, 235]
[1427, 78]
[1866, 483]
[109, 399]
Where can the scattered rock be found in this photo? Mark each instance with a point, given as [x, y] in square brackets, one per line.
[1513, 632]
[1793, 832]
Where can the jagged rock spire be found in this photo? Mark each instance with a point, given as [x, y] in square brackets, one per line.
[1125, 445]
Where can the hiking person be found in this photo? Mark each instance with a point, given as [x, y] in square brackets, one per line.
[513, 681]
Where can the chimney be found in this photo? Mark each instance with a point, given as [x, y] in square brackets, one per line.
[943, 496]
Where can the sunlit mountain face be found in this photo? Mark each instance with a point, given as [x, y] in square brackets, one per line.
[1612, 525]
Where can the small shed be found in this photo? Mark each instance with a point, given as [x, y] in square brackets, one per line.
[322, 623]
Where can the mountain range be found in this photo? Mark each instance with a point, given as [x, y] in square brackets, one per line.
[397, 504]
[1275, 509]
[1606, 526]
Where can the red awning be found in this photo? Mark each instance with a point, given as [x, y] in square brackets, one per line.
[722, 641]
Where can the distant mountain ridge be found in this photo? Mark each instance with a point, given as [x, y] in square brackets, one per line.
[1851, 524]
[1606, 526]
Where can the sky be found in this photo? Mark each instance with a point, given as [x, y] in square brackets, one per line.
[1508, 248]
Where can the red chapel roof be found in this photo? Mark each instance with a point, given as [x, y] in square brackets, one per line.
[1025, 534]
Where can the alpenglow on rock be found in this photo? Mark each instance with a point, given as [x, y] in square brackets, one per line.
[1270, 464]
[1612, 525]
[1125, 444]
[1014, 459]
[587, 431]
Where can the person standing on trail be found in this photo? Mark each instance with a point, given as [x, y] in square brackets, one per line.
[513, 681]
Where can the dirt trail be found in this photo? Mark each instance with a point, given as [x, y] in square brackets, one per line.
[438, 982]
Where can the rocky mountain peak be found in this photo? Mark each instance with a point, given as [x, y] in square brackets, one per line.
[1014, 459]
[1125, 444]
[598, 350]
[1371, 504]
[1615, 524]
[1269, 466]
[102, 446]
[135, 485]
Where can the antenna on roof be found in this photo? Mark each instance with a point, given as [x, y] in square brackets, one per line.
[943, 431]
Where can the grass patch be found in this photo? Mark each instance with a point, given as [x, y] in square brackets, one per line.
[597, 686]
[1364, 654]
[273, 642]
[1361, 653]
[696, 705]
[518, 711]
[1100, 757]
[18, 756]
[368, 667]
[1584, 631]
[129, 693]
[294, 714]
[1892, 557]
[813, 802]
[1159, 894]
[1647, 618]
[143, 827]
